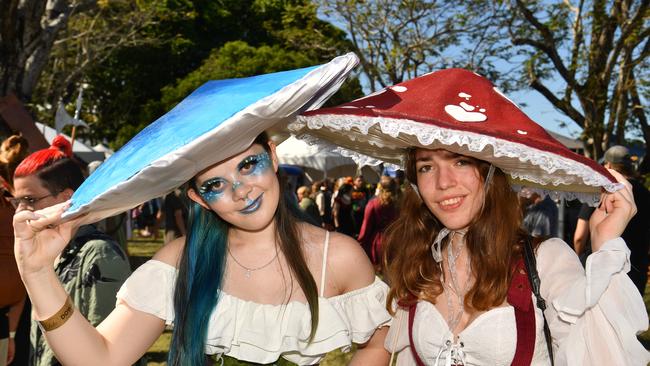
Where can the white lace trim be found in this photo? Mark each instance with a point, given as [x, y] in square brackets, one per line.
[556, 170]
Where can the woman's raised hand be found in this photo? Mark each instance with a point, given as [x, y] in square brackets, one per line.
[613, 214]
[40, 236]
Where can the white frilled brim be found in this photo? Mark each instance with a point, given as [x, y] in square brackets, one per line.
[375, 140]
[218, 120]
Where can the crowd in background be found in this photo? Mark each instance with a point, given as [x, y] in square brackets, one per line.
[349, 205]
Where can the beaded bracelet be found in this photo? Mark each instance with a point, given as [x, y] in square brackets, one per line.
[59, 318]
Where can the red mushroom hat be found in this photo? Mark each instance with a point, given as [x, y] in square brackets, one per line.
[460, 111]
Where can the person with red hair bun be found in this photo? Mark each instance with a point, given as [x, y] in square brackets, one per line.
[92, 267]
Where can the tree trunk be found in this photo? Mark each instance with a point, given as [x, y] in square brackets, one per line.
[28, 29]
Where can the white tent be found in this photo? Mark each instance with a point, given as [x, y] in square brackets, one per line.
[105, 149]
[80, 149]
[320, 162]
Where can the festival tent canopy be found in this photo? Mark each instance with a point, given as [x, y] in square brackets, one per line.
[83, 151]
[320, 160]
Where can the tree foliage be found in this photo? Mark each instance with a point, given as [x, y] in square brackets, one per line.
[27, 32]
[588, 58]
[597, 51]
[397, 40]
[190, 42]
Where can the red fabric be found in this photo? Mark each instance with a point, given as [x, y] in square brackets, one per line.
[520, 297]
[375, 220]
[60, 149]
[11, 286]
[458, 99]
[412, 308]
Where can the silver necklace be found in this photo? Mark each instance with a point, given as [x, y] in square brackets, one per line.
[249, 271]
[453, 315]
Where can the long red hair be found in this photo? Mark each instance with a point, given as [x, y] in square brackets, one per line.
[493, 241]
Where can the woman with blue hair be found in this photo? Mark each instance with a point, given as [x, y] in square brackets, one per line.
[252, 281]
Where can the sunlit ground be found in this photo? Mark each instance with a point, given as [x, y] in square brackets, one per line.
[141, 249]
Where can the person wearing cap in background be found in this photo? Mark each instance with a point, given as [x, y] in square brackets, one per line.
[468, 285]
[637, 232]
[92, 266]
[540, 214]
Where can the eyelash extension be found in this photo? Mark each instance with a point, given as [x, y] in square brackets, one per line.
[253, 159]
[259, 162]
[205, 187]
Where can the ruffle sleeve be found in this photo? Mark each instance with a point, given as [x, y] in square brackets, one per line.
[150, 289]
[262, 333]
[363, 310]
[594, 315]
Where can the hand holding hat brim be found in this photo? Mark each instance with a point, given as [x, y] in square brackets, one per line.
[615, 211]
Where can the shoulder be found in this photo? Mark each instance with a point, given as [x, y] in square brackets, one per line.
[100, 245]
[171, 252]
[554, 246]
[555, 254]
[349, 265]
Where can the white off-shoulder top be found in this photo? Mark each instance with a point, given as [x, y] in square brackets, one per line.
[593, 315]
[262, 333]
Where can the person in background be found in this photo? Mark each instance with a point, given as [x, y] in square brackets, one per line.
[12, 151]
[581, 239]
[307, 205]
[92, 266]
[12, 293]
[540, 214]
[380, 212]
[637, 232]
[323, 199]
[174, 214]
[147, 218]
[360, 197]
[342, 208]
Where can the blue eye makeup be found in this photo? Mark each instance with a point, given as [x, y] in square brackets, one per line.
[251, 166]
[255, 164]
[213, 189]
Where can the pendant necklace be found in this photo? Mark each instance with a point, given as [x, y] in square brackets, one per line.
[249, 271]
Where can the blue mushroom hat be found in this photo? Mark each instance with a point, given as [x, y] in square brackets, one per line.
[218, 120]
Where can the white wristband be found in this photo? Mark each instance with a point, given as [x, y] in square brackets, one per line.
[12, 335]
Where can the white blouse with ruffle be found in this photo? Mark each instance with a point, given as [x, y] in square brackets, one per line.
[593, 315]
[262, 333]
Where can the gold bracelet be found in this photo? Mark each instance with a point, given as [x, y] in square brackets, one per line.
[59, 318]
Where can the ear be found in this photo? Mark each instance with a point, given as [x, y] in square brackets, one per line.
[67, 193]
[274, 156]
[194, 196]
